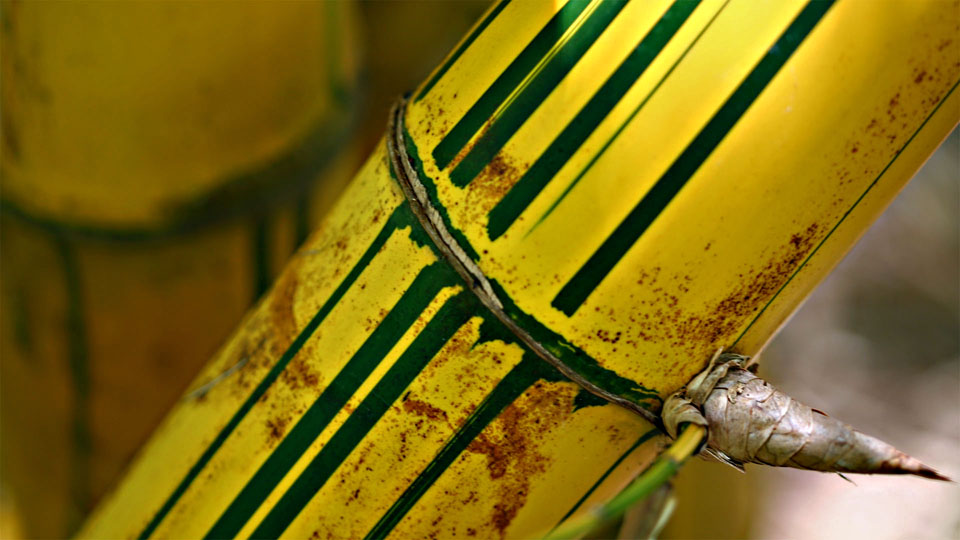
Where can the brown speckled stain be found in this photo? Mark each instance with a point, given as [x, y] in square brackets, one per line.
[511, 446]
[255, 354]
[281, 308]
[276, 429]
[422, 408]
[469, 146]
[664, 321]
[298, 374]
[488, 188]
[435, 122]
[755, 291]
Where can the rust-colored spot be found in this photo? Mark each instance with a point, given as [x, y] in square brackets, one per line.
[609, 337]
[490, 186]
[281, 308]
[513, 459]
[469, 146]
[276, 428]
[423, 408]
[668, 322]
[497, 460]
[253, 354]
[299, 375]
[755, 291]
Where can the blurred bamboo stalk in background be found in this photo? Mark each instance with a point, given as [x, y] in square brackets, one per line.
[160, 163]
[627, 186]
[431, 417]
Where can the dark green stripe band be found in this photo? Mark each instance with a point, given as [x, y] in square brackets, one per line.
[401, 217]
[513, 385]
[586, 121]
[575, 292]
[79, 370]
[532, 95]
[404, 313]
[463, 47]
[506, 82]
[643, 438]
[562, 349]
[450, 318]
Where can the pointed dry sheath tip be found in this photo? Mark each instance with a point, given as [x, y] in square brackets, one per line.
[750, 421]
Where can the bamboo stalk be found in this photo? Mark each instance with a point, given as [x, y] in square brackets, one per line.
[626, 187]
[160, 163]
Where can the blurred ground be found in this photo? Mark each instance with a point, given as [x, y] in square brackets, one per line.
[878, 346]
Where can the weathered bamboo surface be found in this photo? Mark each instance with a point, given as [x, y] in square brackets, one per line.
[160, 163]
[628, 186]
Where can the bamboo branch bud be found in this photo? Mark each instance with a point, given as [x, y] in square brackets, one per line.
[750, 421]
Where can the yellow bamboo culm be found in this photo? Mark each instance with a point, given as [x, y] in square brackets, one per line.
[160, 163]
[627, 187]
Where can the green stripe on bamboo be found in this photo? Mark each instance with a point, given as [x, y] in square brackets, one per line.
[450, 318]
[586, 121]
[507, 82]
[532, 95]
[401, 218]
[589, 276]
[425, 287]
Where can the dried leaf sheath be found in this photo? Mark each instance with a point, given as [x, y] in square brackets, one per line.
[750, 421]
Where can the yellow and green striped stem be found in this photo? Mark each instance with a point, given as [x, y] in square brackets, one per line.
[626, 186]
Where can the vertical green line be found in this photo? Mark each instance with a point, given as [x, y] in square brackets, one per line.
[398, 321]
[643, 438]
[462, 47]
[453, 315]
[506, 82]
[586, 121]
[626, 122]
[260, 255]
[533, 95]
[79, 370]
[401, 217]
[513, 385]
[334, 42]
[576, 291]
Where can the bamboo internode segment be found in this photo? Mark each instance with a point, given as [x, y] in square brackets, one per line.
[432, 221]
[160, 162]
[149, 105]
[654, 478]
[639, 183]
